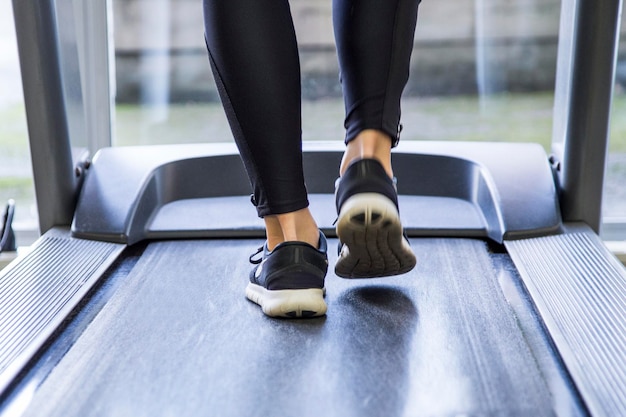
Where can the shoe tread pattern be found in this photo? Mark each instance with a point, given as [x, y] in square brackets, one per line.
[372, 239]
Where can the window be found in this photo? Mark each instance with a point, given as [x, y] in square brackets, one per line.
[614, 204]
[482, 70]
[15, 172]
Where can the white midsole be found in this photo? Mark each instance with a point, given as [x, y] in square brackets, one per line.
[280, 302]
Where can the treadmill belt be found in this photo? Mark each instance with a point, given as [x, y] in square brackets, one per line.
[179, 338]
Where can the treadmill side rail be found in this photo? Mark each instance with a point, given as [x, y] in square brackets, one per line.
[39, 290]
[579, 288]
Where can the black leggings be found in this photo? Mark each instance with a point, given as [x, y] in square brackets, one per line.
[254, 57]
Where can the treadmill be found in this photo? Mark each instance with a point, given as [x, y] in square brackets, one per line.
[131, 302]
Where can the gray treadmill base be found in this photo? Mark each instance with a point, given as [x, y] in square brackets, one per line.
[579, 289]
[177, 337]
[40, 290]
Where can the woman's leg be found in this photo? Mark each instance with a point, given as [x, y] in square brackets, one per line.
[374, 43]
[368, 143]
[253, 53]
[297, 225]
[254, 57]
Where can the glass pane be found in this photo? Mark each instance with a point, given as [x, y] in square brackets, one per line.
[165, 92]
[614, 204]
[482, 70]
[15, 170]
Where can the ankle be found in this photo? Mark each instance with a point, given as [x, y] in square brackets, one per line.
[294, 226]
[368, 144]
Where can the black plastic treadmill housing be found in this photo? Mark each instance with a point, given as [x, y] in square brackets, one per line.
[7, 235]
[487, 190]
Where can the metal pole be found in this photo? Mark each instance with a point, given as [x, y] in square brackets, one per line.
[51, 155]
[585, 88]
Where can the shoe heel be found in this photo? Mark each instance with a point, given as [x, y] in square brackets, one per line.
[371, 233]
[367, 210]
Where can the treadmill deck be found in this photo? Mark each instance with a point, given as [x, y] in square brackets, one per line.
[174, 335]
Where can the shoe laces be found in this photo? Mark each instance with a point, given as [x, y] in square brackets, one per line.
[258, 260]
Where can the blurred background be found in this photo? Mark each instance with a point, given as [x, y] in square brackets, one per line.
[482, 70]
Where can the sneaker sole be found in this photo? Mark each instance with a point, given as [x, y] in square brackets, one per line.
[302, 303]
[373, 240]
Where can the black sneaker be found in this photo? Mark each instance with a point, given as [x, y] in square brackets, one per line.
[289, 281]
[371, 237]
